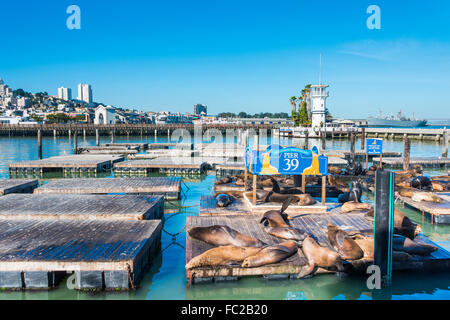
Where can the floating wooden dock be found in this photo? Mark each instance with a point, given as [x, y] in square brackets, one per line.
[292, 210]
[291, 267]
[163, 165]
[8, 186]
[36, 254]
[439, 213]
[230, 168]
[73, 163]
[423, 161]
[81, 207]
[167, 145]
[108, 150]
[169, 187]
[140, 146]
[359, 154]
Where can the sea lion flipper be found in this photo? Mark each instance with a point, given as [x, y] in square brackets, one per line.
[307, 270]
[275, 186]
[286, 204]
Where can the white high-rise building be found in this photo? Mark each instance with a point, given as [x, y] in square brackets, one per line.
[85, 92]
[319, 95]
[65, 93]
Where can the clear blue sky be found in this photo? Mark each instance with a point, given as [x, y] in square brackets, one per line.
[234, 55]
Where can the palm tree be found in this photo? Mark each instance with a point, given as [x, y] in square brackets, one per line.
[308, 100]
[293, 105]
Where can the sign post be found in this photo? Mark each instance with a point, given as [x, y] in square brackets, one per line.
[374, 147]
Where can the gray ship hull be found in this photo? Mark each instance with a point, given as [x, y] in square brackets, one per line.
[376, 122]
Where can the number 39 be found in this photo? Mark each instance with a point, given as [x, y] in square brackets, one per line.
[292, 165]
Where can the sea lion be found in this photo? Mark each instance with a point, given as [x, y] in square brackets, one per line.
[232, 193]
[406, 192]
[439, 185]
[405, 244]
[218, 235]
[222, 256]
[305, 199]
[291, 190]
[404, 226]
[425, 196]
[270, 196]
[444, 178]
[405, 184]
[287, 233]
[223, 200]
[271, 254]
[334, 170]
[224, 180]
[353, 169]
[351, 206]
[275, 218]
[354, 194]
[347, 248]
[421, 182]
[318, 256]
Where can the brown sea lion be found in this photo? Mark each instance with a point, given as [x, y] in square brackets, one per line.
[334, 170]
[412, 247]
[318, 257]
[347, 248]
[403, 184]
[270, 196]
[351, 206]
[425, 196]
[224, 200]
[443, 178]
[233, 193]
[404, 226]
[222, 256]
[439, 186]
[405, 192]
[291, 190]
[305, 200]
[286, 233]
[224, 180]
[366, 245]
[275, 217]
[271, 254]
[218, 235]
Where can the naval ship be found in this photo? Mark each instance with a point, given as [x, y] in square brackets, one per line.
[395, 121]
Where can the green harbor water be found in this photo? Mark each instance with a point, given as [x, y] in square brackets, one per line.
[166, 279]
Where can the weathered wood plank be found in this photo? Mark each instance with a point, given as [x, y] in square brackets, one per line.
[8, 186]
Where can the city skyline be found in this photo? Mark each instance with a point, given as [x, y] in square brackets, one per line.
[236, 61]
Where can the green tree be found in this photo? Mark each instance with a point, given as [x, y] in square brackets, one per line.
[302, 117]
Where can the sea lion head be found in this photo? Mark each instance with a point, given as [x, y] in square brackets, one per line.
[223, 200]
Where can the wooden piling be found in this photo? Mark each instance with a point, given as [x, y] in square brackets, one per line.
[363, 138]
[39, 138]
[323, 135]
[97, 138]
[324, 189]
[406, 152]
[75, 143]
[445, 144]
[306, 146]
[352, 146]
[112, 136]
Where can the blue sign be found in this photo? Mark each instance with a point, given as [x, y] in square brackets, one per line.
[374, 146]
[277, 160]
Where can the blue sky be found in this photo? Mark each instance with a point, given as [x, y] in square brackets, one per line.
[234, 55]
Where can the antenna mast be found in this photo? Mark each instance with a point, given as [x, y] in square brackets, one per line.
[320, 69]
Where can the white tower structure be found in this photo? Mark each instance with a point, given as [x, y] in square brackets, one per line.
[319, 95]
[65, 93]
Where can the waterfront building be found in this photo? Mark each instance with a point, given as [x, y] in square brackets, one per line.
[200, 109]
[85, 93]
[23, 102]
[105, 115]
[65, 93]
[319, 95]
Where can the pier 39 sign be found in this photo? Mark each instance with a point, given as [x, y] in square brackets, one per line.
[277, 160]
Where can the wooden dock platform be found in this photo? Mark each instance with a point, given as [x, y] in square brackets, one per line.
[139, 145]
[164, 165]
[108, 150]
[73, 163]
[81, 207]
[438, 213]
[423, 161]
[230, 168]
[289, 268]
[167, 145]
[8, 186]
[169, 187]
[36, 254]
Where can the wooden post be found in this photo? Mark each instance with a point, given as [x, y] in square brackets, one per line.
[352, 146]
[97, 138]
[256, 146]
[324, 189]
[323, 135]
[363, 138]
[384, 224]
[245, 163]
[367, 161]
[75, 143]
[303, 183]
[406, 152]
[112, 136]
[39, 138]
[445, 146]
[381, 160]
[306, 140]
